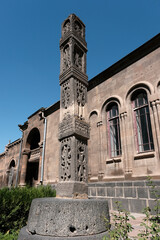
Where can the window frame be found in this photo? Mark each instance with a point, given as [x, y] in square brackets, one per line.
[140, 128]
[114, 137]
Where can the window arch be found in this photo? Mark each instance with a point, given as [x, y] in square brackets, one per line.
[142, 122]
[114, 139]
[11, 173]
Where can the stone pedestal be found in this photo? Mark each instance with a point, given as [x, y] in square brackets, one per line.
[51, 219]
[72, 189]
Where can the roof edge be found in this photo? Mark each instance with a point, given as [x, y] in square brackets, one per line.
[126, 61]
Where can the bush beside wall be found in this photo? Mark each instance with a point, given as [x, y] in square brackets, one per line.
[15, 204]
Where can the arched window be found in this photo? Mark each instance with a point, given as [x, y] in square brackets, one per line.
[11, 173]
[114, 130]
[142, 121]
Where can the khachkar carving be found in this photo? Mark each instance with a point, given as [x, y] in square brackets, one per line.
[65, 164]
[78, 28]
[65, 96]
[81, 93]
[73, 126]
[81, 161]
[75, 25]
[66, 57]
[67, 27]
[73, 129]
[78, 57]
[73, 48]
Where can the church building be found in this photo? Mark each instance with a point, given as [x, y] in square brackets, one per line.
[110, 123]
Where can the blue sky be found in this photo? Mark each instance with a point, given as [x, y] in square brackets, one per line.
[30, 31]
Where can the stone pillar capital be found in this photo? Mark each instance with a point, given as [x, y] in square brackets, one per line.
[123, 114]
[100, 123]
[26, 151]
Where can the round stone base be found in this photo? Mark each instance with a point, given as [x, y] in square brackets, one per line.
[61, 218]
[25, 235]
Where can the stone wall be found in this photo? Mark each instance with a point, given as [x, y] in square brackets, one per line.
[134, 195]
[51, 161]
[2, 169]
[11, 155]
[118, 85]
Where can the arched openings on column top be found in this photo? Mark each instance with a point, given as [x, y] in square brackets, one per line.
[74, 24]
[33, 139]
[145, 86]
[66, 26]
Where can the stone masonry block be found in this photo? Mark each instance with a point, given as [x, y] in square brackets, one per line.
[101, 191]
[130, 192]
[152, 204]
[156, 183]
[110, 192]
[92, 191]
[138, 183]
[119, 192]
[142, 192]
[119, 184]
[137, 205]
[151, 192]
[127, 184]
[124, 203]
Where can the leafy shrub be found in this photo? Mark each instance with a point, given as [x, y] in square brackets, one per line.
[9, 235]
[121, 226]
[15, 204]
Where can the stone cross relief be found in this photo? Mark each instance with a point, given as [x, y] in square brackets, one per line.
[81, 162]
[81, 97]
[66, 58]
[78, 28]
[66, 160]
[65, 95]
[66, 27]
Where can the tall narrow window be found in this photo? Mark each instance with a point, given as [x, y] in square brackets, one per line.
[142, 122]
[114, 130]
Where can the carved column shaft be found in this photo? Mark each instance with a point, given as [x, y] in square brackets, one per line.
[73, 129]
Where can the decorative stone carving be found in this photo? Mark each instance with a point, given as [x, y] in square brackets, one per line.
[66, 125]
[65, 99]
[78, 28]
[81, 161]
[66, 27]
[81, 93]
[65, 164]
[78, 54]
[70, 126]
[66, 58]
[82, 128]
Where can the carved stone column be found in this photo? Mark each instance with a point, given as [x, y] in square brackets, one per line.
[73, 129]
[25, 154]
